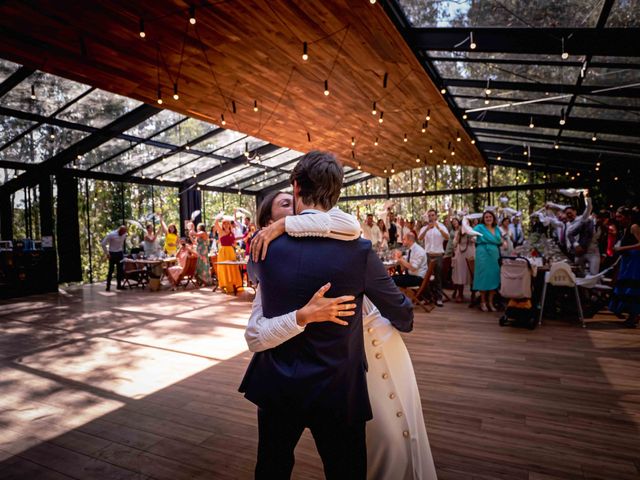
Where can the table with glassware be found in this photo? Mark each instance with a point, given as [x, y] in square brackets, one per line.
[155, 267]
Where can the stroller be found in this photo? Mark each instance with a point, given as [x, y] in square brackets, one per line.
[515, 285]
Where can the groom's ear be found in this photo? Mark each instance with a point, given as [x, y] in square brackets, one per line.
[296, 189]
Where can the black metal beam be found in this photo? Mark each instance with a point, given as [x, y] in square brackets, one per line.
[581, 182]
[81, 147]
[14, 79]
[580, 124]
[278, 169]
[600, 104]
[540, 62]
[620, 42]
[358, 180]
[633, 92]
[234, 162]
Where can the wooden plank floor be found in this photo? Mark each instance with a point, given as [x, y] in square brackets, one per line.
[142, 385]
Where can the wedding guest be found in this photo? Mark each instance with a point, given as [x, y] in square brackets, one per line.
[517, 234]
[393, 230]
[174, 271]
[626, 294]
[506, 249]
[203, 269]
[486, 278]
[415, 265]
[150, 242]
[434, 235]
[229, 278]
[371, 232]
[170, 237]
[384, 244]
[460, 269]
[113, 246]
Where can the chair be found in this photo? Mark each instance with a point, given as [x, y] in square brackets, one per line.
[560, 275]
[133, 272]
[188, 273]
[417, 294]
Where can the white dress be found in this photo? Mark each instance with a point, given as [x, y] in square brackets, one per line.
[397, 443]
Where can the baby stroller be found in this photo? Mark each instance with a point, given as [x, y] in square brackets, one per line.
[515, 285]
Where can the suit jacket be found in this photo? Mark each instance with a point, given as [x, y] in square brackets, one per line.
[321, 371]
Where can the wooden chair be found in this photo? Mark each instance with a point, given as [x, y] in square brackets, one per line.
[188, 273]
[133, 272]
[420, 295]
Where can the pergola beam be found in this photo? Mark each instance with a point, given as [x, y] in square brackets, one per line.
[592, 90]
[234, 162]
[547, 63]
[620, 42]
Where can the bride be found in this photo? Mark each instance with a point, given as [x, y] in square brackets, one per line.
[397, 443]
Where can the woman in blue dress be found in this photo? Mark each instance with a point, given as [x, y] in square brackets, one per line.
[626, 294]
[486, 277]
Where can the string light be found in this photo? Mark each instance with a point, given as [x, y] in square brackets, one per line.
[385, 169]
[598, 164]
[428, 117]
[556, 145]
[305, 53]
[531, 125]
[444, 160]
[308, 137]
[453, 152]
[424, 127]
[33, 92]
[159, 96]
[430, 149]
[187, 147]
[373, 109]
[443, 90]
[486, 99]
[529, 164]
[405, 138]
[385, 79]
[175, 92]
[393, 170]
[233, 106]
[326, 87]
[246, 149]
[417, 158]
[473, 142]
[472, 43]
[192, 15]
[564, 55]
[499, 158]
[380, 120]
[52, 134]
[615, 178]
[488, 89]
[376, 142]
[142, 32]
[594, 138]
[222, 120]
[563, 119]
[353, 141]
[372, 2]
[464, 116]
[255, 105]
[458, 138]
[359, 166]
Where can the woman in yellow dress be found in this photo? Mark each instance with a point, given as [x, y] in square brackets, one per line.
[170, 238]
[228, 275]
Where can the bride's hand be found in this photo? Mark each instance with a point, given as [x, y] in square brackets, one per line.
[261, 240]
[321, 309]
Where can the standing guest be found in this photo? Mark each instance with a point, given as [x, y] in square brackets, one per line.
[393, 230]
[415, 264]
[517, 234]
[229, 277]
[384, 244]
[238, 231]
[150, 242]
[434, 235]
[584, 245]
[371, 232]
[203, 269]
[486, 278]
[213, 237]
[403, 228]
[170, 237]
[506, 249]
[411, 225]
[113, 247]
[463, 260]
[626, 294]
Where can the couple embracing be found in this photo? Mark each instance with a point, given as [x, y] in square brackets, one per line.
[335, 364]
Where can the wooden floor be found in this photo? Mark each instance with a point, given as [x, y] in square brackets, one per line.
[140, 385]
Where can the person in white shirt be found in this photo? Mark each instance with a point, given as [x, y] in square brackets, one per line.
[434, 235]
[415, 264]
[113, 247]
[371, 232]
[516, 231]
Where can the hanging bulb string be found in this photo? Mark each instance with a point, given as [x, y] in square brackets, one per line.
[333, 65]
[275, 108]
[295, 110]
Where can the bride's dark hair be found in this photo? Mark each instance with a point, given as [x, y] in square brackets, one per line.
[264, 210]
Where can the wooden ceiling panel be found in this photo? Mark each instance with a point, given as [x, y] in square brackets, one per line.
[255, 51]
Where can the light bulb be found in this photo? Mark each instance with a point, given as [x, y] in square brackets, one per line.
[175, 92]
[192, 15]
[556, 146]
[458, 138]
[222, 120]
[529, 163]
[353, 142]
[594, 138]
[464, 116]
[443, 90]
[159, 96]
[359, 166]
[326, 87]
[305, 55]
[380, 120]
[142, 32]
[376, 142]
[405, 138]
[472, 43]
[418, 159]
[255, 105]
[428, 117]
[499, 157]
[565, 55]
[373, 2]
[430, 149]
[33, 92]
[373, 109]
[473, 142]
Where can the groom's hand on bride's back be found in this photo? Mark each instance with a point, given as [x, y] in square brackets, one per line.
[322, 309]
[262, 239]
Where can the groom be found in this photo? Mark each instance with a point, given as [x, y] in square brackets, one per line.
[317, 379]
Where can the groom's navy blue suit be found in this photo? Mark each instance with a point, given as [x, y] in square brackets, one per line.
[317, 379]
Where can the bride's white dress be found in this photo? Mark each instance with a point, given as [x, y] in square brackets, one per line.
[397, 443]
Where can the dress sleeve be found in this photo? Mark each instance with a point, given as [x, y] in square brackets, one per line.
[265, 333]
[334, 224]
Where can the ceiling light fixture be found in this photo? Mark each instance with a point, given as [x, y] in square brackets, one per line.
[305, 54]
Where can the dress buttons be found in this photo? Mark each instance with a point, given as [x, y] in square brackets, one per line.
[392, 396]
[385, 376]
[370, 329]
[405, 434]
[378, 355]
[398, 414]
[375, 343]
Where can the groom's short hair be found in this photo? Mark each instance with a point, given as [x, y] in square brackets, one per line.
[319, 176]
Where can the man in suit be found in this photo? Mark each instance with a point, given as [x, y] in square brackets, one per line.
[317, 379]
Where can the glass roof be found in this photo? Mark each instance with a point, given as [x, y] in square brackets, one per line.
[97, 109]
[497, 13]
[136, 157]
[508, 73]
[153, 125]
[11, 127]
[624, 13]
[42, 143]
[185, 132]
[7, 68]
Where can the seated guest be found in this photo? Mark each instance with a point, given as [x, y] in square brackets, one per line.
[174, 271]
[415, 263]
